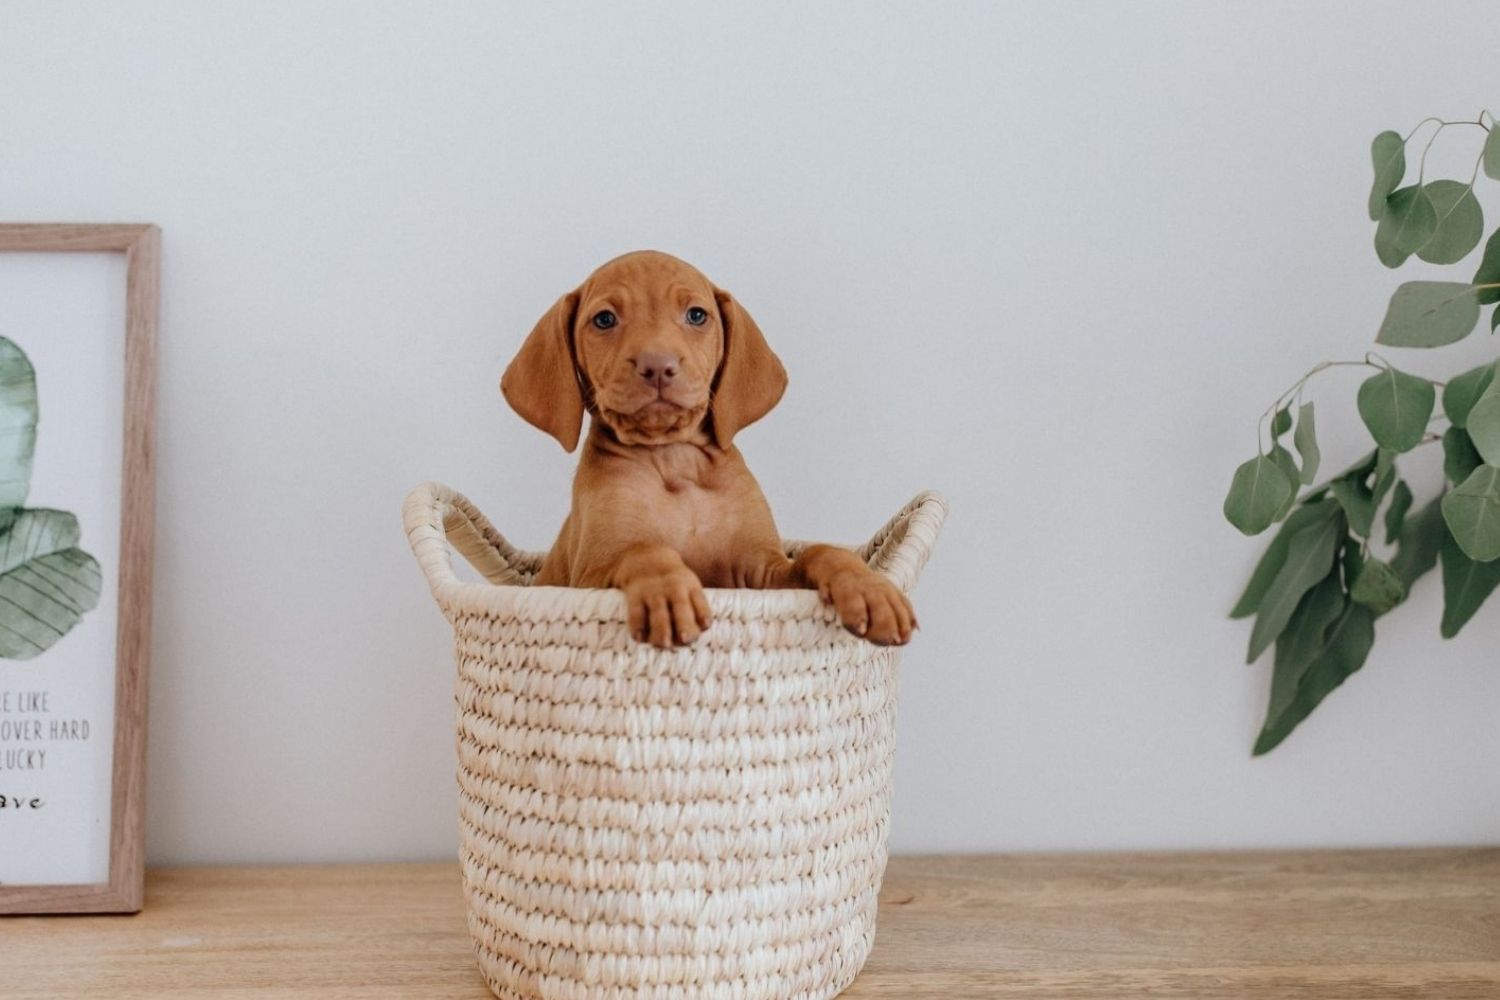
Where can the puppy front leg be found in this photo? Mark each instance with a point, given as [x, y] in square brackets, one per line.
[664, 600]
[868, 604]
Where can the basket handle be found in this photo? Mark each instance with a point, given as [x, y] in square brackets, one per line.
[436, 516]
[902, 547]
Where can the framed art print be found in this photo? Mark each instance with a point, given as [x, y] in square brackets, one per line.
[78, 316]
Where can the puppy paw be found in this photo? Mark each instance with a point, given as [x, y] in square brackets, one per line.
[871, 606]
[669, 609]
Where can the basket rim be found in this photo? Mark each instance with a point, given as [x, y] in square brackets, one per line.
[437, 517]
[601, 604]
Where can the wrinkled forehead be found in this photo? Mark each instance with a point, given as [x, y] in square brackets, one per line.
[644, 279]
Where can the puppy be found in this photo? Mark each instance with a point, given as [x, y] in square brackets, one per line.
[670, 367]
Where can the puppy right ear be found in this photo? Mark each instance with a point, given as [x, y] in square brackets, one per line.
[541, 384]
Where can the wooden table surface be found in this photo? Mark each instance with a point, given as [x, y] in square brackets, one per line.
[1324, 925]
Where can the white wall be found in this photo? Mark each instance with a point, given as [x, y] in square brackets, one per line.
[1051, 259]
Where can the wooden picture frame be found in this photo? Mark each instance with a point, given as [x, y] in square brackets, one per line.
[141, 245]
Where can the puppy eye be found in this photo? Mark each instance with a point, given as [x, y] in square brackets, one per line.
[697, 316]
[604, 319]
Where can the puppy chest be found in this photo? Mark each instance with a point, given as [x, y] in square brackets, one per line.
[694, 512]
[700, 523]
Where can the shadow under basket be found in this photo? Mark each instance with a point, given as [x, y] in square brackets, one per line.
[704, 823]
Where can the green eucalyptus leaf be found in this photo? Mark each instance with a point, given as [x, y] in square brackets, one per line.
[1489, 270]
[1362, 468]
[1305, 440]
[1377, 587]
[1388, 154]
[1491, 152]
[1288, 466]
[17, 424]
[1466, 584]
[1309, 557]
[1275, 555]
[1395, 407]
[1395, 514]
[1483, 424]
[1358, 503]
[1385, 474]
[1353, 558]
[1303, 640]
[1472, 512]
[1410, 220]
[1281, 422]
[1460, 458]
[1422, 535]
[1257, 494]
[1429, 314]
[1463, 391]
[1346, 645]
[1460, 223]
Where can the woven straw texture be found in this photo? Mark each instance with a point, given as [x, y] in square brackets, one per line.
[707, 823]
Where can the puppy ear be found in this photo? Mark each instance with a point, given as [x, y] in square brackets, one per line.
[541, 384]
[750, 380]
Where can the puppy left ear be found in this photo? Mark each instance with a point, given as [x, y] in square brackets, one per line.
[750, 380]
[541, 384]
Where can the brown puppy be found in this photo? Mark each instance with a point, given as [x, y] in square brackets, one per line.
[670, 367]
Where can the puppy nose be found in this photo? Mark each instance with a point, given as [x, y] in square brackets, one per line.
[657, 367]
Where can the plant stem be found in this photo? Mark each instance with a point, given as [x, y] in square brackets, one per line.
[1296, 390]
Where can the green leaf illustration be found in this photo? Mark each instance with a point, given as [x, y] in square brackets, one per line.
[1491, 152]
[41, 600]
[17, 424]
[47, 583]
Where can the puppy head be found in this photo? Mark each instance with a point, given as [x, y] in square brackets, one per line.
[653, 349]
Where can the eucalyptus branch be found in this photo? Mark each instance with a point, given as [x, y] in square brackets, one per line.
[1296, 389]
[1442, 123]
[1402, 412]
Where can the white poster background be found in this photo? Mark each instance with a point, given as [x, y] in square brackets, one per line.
[67, 312]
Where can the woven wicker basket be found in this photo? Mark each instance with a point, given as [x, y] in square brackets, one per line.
[699, 824]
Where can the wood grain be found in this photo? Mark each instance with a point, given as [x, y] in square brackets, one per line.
[141, 245]
[1265, 926]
